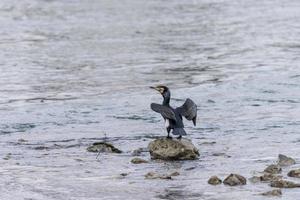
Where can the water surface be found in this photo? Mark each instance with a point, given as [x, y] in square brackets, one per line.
[75, 72]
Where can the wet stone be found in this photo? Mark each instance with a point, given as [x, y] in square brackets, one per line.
[214, 180]
[173, 149]
[154, 175]
[21, 140]
[284, 184]
[294, 173]
[235, 179]
[255, 179]
[103, 147]
[284, 160]
[138, 161]
[267, 177]
[175, 174]
[276, 192]
[273, 169]
[139, 151]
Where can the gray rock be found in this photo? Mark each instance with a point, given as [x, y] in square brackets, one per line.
[285, 160]
[255, 179]
[265, 178]
[103, 147]
[139, 151]
[235, 179]
[138, 161]
[284, 184]
[154, 175]
[276, 192]
[173, 149]
[175, 174]
[273, 169]
[294, 173]
[214, 180]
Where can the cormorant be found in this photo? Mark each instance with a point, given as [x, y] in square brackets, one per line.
[173, 117]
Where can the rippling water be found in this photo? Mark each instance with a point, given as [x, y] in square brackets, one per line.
[74, 72]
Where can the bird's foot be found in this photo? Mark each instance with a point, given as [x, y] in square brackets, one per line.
[179, 137]
[169, 137]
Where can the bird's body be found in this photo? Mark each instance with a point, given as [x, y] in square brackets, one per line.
[173, 117]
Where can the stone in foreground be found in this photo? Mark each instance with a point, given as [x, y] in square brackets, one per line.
[138, 161]
[103, 147]
[285, 160]
[235, 179]
[173, 149]
[294, 173]
[284, 184]
[276, 193]
[214, 180]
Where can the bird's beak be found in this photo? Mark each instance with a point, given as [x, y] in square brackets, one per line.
[155, 88]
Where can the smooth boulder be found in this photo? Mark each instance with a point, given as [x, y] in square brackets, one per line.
[173, 149]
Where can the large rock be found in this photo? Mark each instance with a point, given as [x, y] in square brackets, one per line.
[284, 160]
[173, 149]
[235, 179]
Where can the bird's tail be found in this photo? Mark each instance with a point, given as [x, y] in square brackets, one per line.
[179, 131]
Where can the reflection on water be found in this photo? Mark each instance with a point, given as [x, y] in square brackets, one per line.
[75, 72]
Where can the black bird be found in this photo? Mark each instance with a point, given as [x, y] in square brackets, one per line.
[173, 117]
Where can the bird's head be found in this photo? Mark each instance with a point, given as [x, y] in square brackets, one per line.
[163, 90]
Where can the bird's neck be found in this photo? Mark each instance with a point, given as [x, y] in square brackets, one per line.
[167, 98]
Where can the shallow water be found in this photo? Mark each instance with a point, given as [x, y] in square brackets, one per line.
[75, 72]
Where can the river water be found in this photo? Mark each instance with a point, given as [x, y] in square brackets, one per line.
[73, 72]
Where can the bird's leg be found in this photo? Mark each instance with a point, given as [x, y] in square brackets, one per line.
[179, 137]
[168, 130]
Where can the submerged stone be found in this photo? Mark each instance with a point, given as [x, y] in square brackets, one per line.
[214, 180]
[154, 175]
[138, 161]
[294, 173]
[103, 147]
[173, 149]
[265, 178]
[273, 169]
[175, 174]
[276, 192]
[139, 151]
[235, 179]
[284, 184]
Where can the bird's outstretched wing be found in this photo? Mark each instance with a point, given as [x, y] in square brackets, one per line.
[188, 110]
[165, 111]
